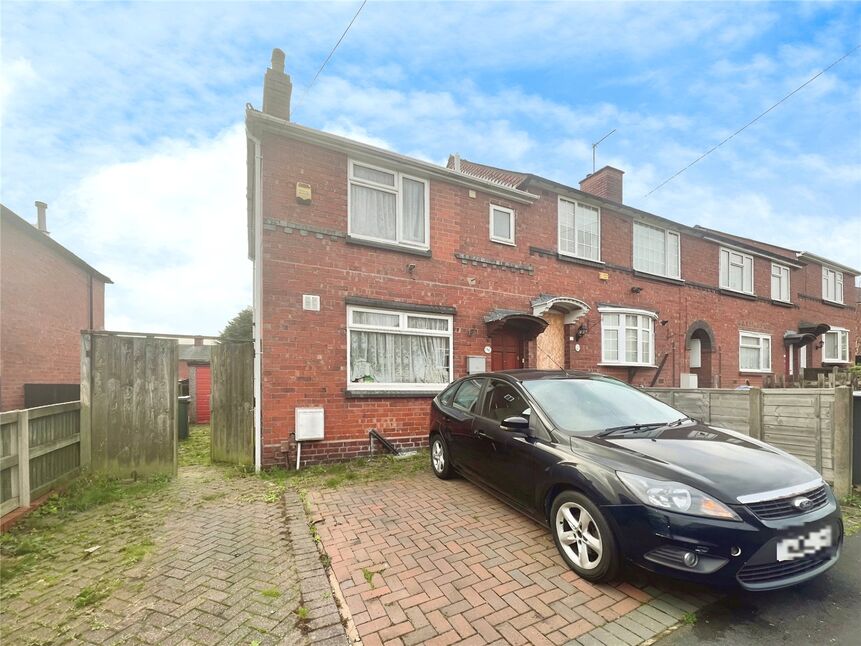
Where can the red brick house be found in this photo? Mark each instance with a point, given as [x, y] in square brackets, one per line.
[47, 296]
[379, 278]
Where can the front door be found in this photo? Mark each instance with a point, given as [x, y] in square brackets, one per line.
[508, 351]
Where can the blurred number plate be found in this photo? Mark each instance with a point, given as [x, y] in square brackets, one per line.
[796, 548]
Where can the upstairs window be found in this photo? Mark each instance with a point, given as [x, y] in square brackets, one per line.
[754, 352]
[390, 350]
[388, 206]
[736, 271]
[836, 346]
[832, 285]
[627, 337]
[579, 230]
[656, 251]
[501, 224]
[779, 283]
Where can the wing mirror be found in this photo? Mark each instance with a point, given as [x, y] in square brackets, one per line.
[515, 424]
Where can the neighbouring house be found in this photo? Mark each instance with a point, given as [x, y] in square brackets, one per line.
[379, 278]
[47, 296]
[194, 366]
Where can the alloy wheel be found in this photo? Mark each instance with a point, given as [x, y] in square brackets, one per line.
[438, 456]
[579, 536]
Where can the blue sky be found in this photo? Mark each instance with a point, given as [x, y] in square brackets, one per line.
[127, 118]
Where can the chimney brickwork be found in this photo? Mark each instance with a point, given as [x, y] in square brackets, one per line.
[42, 217]
[606, 183]
[277, 88]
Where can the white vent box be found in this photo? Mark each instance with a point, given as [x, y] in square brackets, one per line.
[476, 364]
[311, 302]
[688, 380]
[309, 424]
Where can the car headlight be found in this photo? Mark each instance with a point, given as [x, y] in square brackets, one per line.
[675, 496]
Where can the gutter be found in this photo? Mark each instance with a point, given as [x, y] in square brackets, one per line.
[259, 120]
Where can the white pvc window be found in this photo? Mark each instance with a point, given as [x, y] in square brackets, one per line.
[656, 251]
[579, 230]
[832, 285]
[390, 350]
[779, 283]
[754, 352]
[501, 224]
[387, 206]
[835, 347]
[736, 271]
[627, 337]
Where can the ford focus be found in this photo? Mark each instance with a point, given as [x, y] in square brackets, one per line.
[619, 476]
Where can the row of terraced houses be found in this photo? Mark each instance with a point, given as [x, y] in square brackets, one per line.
[379, 278]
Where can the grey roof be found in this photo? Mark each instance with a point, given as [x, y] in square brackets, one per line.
[195, 353]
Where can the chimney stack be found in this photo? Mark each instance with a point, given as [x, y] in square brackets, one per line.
[198, 340]
[277, 88]
[606, 183]
[42, 217]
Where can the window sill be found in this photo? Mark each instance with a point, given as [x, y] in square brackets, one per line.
[580, 261]
[509, 243]
[627, 365]
[725, 291]
[386, 246]
[394, 394]
[836, 362]
[841, 306]
[663, 279]
[754, 372]
[774, 301]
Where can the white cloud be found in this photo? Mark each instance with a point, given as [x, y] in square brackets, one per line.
[170, 230]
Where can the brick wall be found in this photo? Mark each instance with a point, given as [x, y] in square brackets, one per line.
[305, 251]
[43, 306]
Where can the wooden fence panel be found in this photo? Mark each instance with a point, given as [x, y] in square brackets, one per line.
[131, 417]
[232, 421]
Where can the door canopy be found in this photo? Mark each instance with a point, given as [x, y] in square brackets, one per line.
[571, 308]
[527, 325]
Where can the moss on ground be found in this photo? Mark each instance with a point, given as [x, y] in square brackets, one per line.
[194, 450]
[851, 506]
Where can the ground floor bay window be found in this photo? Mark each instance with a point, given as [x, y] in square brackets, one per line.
[627, 337]
[835, 346]
[397, 351]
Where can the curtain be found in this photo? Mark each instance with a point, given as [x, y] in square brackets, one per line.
[376, 318]
[384, 358]
[425, 323]
[567, 242]
[373, 213]
[587, 232]
[414, 210]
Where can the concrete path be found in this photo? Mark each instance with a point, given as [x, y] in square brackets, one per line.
[826, 610]
[422, 561]
[216, 567]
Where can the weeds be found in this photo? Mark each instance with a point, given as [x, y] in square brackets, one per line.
[369, 576]
[271, 593]
[689, 618]
[195, 449]
[851, 507]
[95, 593]
[136, 552]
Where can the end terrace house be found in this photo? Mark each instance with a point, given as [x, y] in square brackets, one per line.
[379, 278]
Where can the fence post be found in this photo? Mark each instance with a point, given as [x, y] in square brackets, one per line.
[754, 401]
[86, 445]
[842, 428]
[24, 458]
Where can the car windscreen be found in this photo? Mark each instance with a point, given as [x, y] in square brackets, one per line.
[587, 406]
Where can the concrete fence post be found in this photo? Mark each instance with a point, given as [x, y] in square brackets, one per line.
[754, 401]
[24, 458]
[842, 427]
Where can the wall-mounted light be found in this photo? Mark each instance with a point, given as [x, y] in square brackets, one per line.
[582, 330]
[664, 322]
[819, 345]
[636, 290]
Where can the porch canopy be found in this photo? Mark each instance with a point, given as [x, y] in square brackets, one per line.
[527, 325]
[807, 333]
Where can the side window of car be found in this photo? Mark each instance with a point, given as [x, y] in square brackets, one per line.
[502, 401]
[467, 395]
[448, 395]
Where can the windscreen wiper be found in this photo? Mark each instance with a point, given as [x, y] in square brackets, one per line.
[630, 428]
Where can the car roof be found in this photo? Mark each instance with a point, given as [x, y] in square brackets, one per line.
[530, 374]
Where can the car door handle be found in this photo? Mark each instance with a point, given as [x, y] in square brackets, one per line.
[482, 434]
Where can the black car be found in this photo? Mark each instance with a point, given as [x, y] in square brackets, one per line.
[618, 475]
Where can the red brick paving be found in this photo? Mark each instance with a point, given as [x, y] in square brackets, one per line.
[453, 564]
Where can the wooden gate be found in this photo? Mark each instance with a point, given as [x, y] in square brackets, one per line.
[232, 421]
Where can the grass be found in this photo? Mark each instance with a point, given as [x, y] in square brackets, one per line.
[302, 613]
[95, 593]
[135, 552]
[30, 542]
[689, 618]
[851, 506]
[369, 576]
[271, 593]
[194, 451]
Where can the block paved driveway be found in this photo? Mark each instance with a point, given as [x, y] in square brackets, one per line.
[425, 561]
[219, 570]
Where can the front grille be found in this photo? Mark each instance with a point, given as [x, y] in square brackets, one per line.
[773, 572]
[783, 508]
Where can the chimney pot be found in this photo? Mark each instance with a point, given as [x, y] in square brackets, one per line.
[277, 88]
[198, 340]
[42, 217]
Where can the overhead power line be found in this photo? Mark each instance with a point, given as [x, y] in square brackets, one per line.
[757, 118]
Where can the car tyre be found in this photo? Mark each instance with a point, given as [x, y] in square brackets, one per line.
[584, 538]
[440, 459]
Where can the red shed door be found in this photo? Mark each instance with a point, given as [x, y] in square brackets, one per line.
[201, 397]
